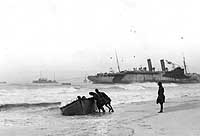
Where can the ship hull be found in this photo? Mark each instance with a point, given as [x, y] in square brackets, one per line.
[132, 77]
[101, 79]
[36, 82]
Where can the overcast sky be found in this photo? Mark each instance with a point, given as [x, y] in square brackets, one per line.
[72, 37]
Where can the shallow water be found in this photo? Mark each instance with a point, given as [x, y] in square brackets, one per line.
[34, 109]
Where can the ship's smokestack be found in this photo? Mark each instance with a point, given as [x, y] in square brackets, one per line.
[149, 64]
[162, 65]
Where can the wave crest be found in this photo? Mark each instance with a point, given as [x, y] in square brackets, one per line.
[28, 105]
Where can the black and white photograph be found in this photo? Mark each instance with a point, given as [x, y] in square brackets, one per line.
[99, 68]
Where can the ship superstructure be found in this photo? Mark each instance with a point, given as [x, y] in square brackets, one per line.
[176, 75]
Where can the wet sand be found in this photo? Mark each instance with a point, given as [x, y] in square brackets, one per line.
[181, 117]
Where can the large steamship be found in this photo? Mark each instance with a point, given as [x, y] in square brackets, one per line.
[176, 75]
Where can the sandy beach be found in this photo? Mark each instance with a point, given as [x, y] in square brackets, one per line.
[180, 118]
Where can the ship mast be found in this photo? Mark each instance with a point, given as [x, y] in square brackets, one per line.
[184, 64]
[117, 61]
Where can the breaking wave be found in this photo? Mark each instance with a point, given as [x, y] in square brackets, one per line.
[136, 86]
[69, 90]
[28, 105]
[116, 87]
[139, 86]
[126, 87]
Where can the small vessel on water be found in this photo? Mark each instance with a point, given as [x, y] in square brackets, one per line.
[66, 83]
[85, 80]
[3, 82]
[82, 106]
[176, 75]
[44, 80]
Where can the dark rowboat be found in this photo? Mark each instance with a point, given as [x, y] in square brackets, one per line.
[79, 107]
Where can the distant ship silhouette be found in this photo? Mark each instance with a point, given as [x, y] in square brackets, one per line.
[85, 80]
[44, 80]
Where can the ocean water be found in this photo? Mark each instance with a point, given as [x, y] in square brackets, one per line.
[32, 109]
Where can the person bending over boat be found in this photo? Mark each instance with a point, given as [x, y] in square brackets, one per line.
[79, 97]
[100, 103]
[161, 96]
[106, 99]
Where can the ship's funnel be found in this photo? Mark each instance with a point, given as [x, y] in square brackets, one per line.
[149, 64]
[162, 65]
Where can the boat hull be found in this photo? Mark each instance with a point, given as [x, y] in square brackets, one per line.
[101, 79]
[79, 107]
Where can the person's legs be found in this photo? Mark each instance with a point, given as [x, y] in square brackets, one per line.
[103, 109]
[111, 108]
[98, 108]
[161, 107]
[108, 107]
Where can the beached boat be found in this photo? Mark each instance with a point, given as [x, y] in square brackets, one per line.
[82, 106]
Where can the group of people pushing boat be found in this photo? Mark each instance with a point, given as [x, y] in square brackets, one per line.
[101, 100]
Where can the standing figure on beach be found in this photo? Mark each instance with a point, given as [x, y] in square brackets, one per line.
[161, 96]
[100, 103]
[106, 100]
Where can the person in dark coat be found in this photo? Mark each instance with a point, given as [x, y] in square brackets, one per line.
[161, 96]
[107, 100]
[100, 103]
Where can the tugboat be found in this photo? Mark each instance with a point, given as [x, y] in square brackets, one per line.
[176, 75]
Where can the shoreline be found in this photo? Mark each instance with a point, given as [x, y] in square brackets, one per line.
[181, 117]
